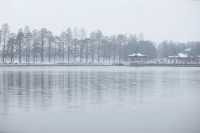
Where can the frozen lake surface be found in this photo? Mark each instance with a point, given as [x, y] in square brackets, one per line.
[99, 100]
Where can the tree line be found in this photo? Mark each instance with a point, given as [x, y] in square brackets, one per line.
[76, 46]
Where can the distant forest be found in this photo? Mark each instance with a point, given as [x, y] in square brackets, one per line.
[75, 46]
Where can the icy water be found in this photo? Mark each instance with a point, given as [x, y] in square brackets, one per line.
[99, 100]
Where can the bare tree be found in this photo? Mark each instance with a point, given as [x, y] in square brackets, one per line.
[27, 42]
[36, 46]
[43, 37]
[20, 37]
[5, 35]
[11, 47]
[50, 41]
[121, 41]
[69, 43]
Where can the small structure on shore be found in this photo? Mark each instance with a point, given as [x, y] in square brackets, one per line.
[198, 59]
[137, 58]
[182, 58]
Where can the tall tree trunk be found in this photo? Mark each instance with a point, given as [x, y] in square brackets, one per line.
[42, 50]
[49, 51]
[20, 52]
[4, 50]
[68, 54]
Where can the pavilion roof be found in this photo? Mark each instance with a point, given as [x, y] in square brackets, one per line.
[137, 55]
[180, 55]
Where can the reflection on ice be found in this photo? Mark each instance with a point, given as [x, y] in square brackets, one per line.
[90, 89]
[96, 99]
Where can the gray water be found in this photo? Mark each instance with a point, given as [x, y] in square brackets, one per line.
[99, 100]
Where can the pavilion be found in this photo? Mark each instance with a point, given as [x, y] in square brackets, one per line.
[183, 58]
[137, 58]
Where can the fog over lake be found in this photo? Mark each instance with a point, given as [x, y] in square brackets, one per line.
[99, 66]
[99, 99]
[158, 20]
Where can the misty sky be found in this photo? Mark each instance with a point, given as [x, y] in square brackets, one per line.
[157, 19]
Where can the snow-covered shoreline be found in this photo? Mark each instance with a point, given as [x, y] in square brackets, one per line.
[93, 65]
[24, 65]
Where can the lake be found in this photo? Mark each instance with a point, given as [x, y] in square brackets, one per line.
[99, 99]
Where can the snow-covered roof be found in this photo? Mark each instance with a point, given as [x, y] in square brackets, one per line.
[172, 56]
[137, 55]
[180, 55]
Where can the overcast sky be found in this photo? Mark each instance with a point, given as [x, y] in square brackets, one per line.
[177, 20]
